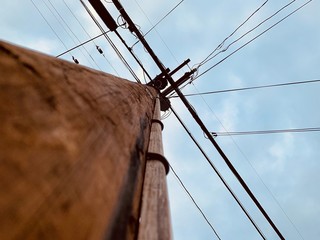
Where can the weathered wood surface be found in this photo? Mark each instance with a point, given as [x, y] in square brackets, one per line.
[155, 222]
[72, 149]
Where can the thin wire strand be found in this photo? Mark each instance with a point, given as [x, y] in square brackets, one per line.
[72, 32]
[44, 18]
[162, 40]
[234, 171]
[111, 43]
[251, 165]
[250, 41]
[194, 201]
[64, 28]
[258, 132]
[250, 88]
[91, 38]
[65, 3]
[79, 45]
[219, 175]
[155, 25]
[223, 42]
[251, 30]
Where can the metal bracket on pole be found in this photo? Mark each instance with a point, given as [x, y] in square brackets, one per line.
[155, 149]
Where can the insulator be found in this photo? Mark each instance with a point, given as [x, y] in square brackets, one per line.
[99, 50]
[75, 60]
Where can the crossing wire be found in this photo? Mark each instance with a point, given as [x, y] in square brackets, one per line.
[81, 44]
[124, 61]
[246, 33]
[257, 132]
[198, 119]
[144, 13]
[254, 169]
[157, 23]
[90, 38]
[45, 19]
[223, 42]
[61, 21]
[69, 28]
[250, 88]
[218, 174]
[194, 201]
[253, 39]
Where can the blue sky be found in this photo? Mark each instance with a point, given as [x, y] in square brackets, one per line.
[281, 169]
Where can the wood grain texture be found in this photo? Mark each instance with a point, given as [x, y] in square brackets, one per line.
[155, 222]
[72, 149]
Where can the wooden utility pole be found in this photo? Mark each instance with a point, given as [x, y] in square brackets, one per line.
[73, 150]
[155, 221]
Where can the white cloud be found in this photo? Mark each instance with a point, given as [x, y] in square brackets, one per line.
[279, 153]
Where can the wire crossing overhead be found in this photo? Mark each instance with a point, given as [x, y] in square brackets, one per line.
[253, 39]
[132, 27]
[195, 203]
[259, 132]
[210, 56]
[169, 86]
[166, 75]
[219, 175]
[250, 88]
[157, 23]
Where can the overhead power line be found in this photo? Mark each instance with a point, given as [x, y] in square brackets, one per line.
[157, 23]
[195, 116]
[219, 174]
[45, 19]
[246, 33]
[160, 37]
[91, 39]
[83, 43]
[65, 26]
[253, 39]
[247, 159]
[250, 88]
[209, 57]
[117, 51]
[256, 132]
[194, 202]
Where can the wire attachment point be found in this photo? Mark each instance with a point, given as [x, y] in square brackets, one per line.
[75, 60]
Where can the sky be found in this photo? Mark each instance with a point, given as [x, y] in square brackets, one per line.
[280, 169]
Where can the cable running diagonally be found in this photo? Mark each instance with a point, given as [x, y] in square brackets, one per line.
[246, 33]
[81, 44]
[219, 175]
[194, 202]
[91, 39]
[162, 40]
[44, 18]
[66, 27]
[250, 41]
[249, 162]
[124, 61]
[75, 35]
[197, 118]
[155, 25]
[250, 88]
[223, 42]
[258, 132]
[228, 163]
